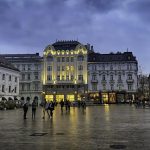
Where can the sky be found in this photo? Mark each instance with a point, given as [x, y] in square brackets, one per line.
[28, 26]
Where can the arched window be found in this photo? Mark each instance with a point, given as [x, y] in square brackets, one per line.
[80, 58]
[50, 58]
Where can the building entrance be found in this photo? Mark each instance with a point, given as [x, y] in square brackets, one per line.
[49, 98]
[70, 97]
[59, 98]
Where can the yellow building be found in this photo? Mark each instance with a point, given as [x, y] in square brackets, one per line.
[65, 71]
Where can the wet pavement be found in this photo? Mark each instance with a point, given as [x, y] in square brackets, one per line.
[98, 128]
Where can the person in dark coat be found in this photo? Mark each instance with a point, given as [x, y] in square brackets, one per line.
[62, 105]
[34, 104]
[25, 109]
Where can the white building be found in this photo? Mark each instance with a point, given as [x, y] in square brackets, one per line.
[30, 75]
[65, 71]
[9, 81]
[112, 77]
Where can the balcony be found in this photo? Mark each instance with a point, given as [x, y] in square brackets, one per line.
[94, 80]
[130, 80]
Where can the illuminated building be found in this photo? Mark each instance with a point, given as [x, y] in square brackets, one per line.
[65, 71]
[112, 78]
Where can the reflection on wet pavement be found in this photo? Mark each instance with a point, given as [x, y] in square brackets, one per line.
[99, 127]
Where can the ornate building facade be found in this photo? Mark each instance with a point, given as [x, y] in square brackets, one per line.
[65, 71]
[112, 78]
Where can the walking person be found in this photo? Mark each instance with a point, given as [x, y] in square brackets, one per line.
[25, 109]
[44, 107]
[51, 108]
[33, 109]
[62, 105]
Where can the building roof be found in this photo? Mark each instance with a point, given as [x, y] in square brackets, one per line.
[6, 64]
[97, 57]
[22, 57]
[65, 45]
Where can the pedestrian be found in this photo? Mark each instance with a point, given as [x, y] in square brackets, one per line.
[25, 109]
[44, 107]
[33, 109]
[62, 105]
[51, 108]
[66, 105]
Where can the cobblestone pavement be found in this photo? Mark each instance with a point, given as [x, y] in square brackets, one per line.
[98, 128]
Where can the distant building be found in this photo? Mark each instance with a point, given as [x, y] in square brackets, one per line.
[30, 66]
[65, 71]
[9, 81]
[112, 77]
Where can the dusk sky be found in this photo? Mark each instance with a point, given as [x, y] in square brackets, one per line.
[28, 26]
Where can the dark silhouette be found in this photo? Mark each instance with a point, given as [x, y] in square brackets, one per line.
[62, 105]
[34, 104]
[25, 109]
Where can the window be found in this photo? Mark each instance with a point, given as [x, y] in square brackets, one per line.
[58, 77]
[49, 68]
[22, 87]
[28, 86]
[94, 87]
[103, 77]
[50, 58]
[58, 68]
[29, 67]
[63, 68]
[67, 77]
[15, 79]
[80, 58]
[119, 77]
[3, 77]
[63, 77]
[29, 77]
[104, 86]
[23, 67]
[67, 59]
[36, 75]
[63, 59]
[94, 67]
[72, 59]
[103, 67]
[130, 87]
[129, 76]
[72, 77]
[111, 77]
[3, 88]
[18, 66]
[36, 87]
[111, 67]
[112, 87]
[80, 67]
[80, 77]
[36, 67]
[94, 77]
[23, 76]
[49, 77]
[9, 89]
[9, 77]
[58, 59]
[15, 89]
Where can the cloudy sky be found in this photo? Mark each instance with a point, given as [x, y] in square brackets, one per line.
[27, 26]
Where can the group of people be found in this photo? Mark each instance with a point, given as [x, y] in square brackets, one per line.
[65, 103]
[25, 109]
[48, 107]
